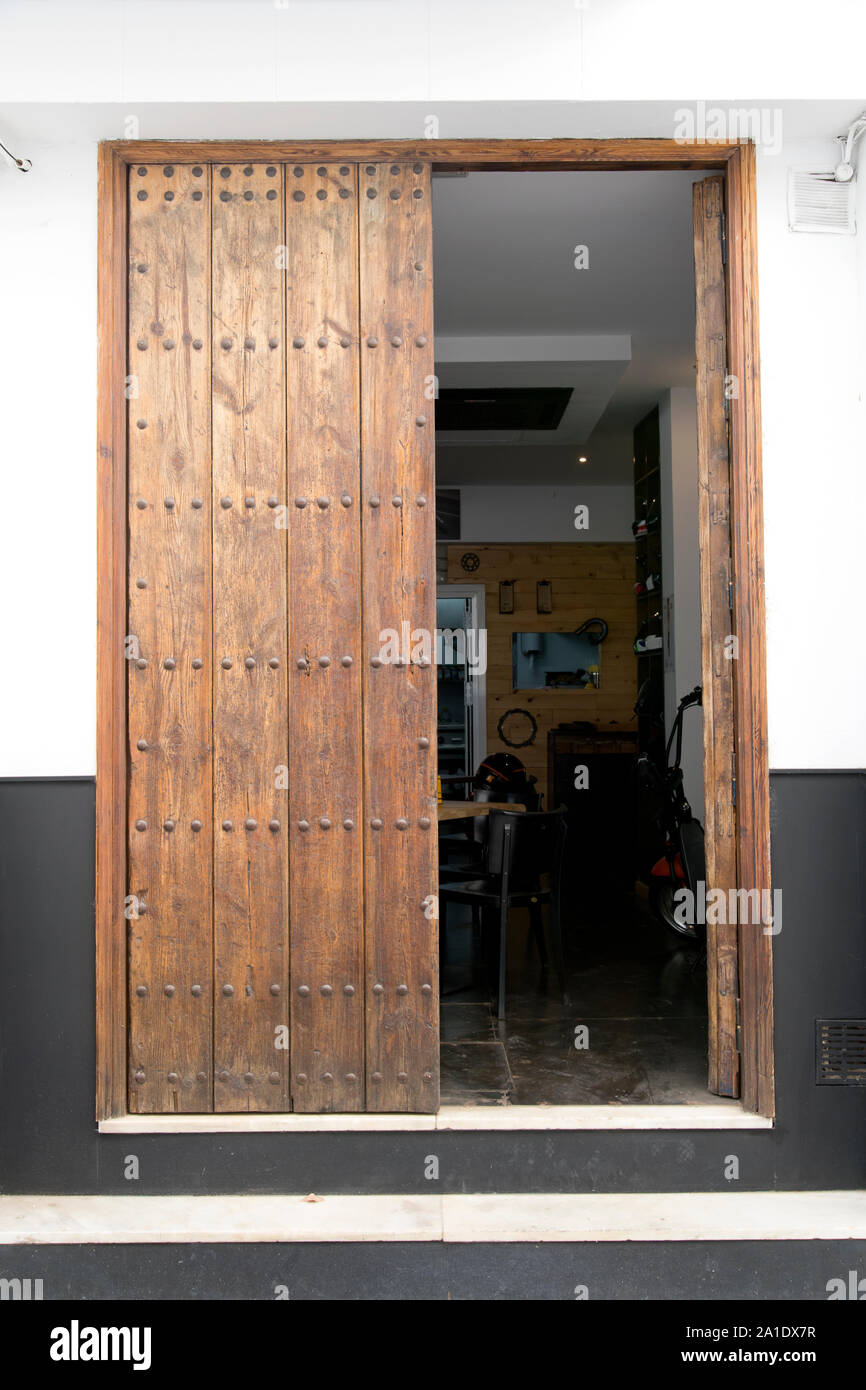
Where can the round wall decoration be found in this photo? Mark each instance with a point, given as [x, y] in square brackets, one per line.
[470, 561]
[517, 728]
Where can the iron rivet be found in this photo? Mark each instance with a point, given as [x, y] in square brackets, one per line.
[423, 743]
[248, 197]
[297, 342]
[350, 1076]
[273, 825]
[248, 170]
[196, 826]
[225, 344]
[197, 503]
[249, 662]
[168, 503]
[402, 1076]
[376, 824]
[226, 663]
[324, 823]
[402, 989]
[271, 170]
[273, 342]
[345, 342]
[376, 661]
[374, 502]
[249, 344]
[169, 991]
[345, 661]
[324, 661]
[303, 825]
[142, 171]
[321, 342]
[169, 197]
[321, 194]
[327, 1076]
[201, 1076]
[326, 990]
[223, 1076]
[142, 909]
[395, 168]
[139, 1076]
[323, 503]
[228, 990]
[300, 503]
[273, 662]
[271, 194]
[274, 1078]
[420, 419]
[416, 168]
[372, 341]
[274, 989]
[142, 344]
[250, 824]
[141, 504]
[370, 169]
[249, 501]
[417, 193]
[142, 424]
[141, 663]
[424, 822]
[141, 991]
[141, 583]
[298, 171]
[227, 825]
[298, 195]
[225, 172]
[321, 171]
[197, 344]
[428, 1076]
[346, 499]
[249, 1078]
[141, 195]
[142, 745]
[225, 503]
[197, 196]
[426, 989]
[395, 194]
[273, 502]
[344, 193]
[348, 824]
[401, 824]
[168, 170]
[421, 340]
[197, 663]
[348, 990]
[302, 663]
[378, 989]
[302, 1076]
[419, 265]
[396, 501]
[195, 991]
[169, 663]
[396, 341]
[344, 169]
[303, 991]
[421, 501]
[225, 197]
[377, 1076]
[371, 193]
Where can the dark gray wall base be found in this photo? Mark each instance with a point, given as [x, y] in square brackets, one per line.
[49, 1141]
[406, 1271]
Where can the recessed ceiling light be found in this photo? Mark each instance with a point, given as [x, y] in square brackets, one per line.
[582, 458]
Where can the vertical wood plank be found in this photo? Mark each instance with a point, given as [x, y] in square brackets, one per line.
[111, 777]
[747, 540]
[325, 731]
[716, 621]
[399, 587]
[169, 553]
[249, 638]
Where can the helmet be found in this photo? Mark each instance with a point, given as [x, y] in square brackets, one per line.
[500, 772]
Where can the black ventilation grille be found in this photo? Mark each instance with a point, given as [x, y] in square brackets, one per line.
[501, 407]
[840, 1051]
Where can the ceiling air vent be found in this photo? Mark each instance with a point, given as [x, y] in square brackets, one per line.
[817, 203]
[501, 407]
[840, 1051]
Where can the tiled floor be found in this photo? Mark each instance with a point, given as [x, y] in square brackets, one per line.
[638, 992]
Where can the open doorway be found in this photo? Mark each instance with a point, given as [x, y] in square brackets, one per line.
[567, 468]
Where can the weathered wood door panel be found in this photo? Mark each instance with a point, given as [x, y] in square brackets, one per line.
[282, 774]
[169, 902]
[718, 653]
[399, 621]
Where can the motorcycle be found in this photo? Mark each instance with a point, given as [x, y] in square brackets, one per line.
[683, 864]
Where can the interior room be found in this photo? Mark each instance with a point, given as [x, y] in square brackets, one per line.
[569, 628]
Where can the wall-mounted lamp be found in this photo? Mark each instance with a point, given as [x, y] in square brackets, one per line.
[506, 595]
[25, 165]
[543, 596]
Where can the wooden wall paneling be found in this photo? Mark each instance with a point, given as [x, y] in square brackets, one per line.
[716, 623]
[325, 727]
[399, 587]
[169, 615]
[249, 645]
[747, 542]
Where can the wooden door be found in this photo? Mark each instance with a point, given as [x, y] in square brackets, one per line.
[282, 919]
[718, 644]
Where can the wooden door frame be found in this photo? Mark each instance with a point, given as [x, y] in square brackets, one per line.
[736, 161]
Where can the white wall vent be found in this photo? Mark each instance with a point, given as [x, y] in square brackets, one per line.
[817, 203]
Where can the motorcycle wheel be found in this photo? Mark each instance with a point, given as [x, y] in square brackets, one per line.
[662, 900]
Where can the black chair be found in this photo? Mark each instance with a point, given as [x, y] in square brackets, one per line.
[469, 844]
[520, 847]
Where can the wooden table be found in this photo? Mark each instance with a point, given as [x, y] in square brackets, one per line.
[459, 810]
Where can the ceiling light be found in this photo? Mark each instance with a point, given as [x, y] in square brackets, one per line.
[582, 458]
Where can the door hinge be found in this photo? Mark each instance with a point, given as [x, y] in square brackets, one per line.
[733, 789]
[727, 406]
[739, 1028]
[724, 240]
[730, 595]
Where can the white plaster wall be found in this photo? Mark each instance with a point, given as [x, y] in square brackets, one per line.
[494, 514]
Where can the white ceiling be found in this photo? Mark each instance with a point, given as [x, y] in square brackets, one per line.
[504, 250]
